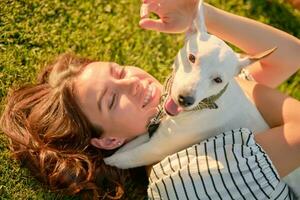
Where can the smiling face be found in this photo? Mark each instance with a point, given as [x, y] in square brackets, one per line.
[120, 100]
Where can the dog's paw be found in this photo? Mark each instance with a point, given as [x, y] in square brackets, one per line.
[117, 161]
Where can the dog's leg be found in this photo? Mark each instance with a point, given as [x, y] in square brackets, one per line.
[134, 143]
[145, 154]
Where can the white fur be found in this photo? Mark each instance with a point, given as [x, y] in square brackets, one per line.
[214, 58]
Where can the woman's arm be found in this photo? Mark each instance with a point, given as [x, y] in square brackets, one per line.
[253, 37]
[281, 112]
[249, 35]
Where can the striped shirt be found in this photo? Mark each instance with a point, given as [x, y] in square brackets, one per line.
[228, 166]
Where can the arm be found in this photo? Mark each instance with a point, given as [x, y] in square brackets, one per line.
[282, 141]
[252, 36]
[249, 35]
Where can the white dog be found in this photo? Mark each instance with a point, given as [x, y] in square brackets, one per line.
[204, 67]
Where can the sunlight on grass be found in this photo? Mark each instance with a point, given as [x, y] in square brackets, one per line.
[33, 32]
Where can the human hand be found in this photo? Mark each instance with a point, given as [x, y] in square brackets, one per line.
[175, 16]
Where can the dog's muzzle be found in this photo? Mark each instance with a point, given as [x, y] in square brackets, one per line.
[168, 106]
[185, 101]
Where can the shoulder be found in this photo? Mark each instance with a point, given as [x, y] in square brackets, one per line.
[230, 165]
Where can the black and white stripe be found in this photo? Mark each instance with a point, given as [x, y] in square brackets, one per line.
[228, 166]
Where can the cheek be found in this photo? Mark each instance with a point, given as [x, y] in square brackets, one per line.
[136, 122]
[130, 112]
[126, 106]
[132, 125]
[132, 118]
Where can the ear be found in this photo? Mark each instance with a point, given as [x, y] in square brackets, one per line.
[244, 61]
[192, 30]
[107, 143]
[199, 21]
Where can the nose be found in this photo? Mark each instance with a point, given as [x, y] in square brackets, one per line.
[130, 84]
[185, 101]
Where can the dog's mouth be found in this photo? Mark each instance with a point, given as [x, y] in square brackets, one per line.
[171, 107]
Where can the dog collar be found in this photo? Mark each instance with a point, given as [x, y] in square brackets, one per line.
[155, 121]
[207, 103]
[210, 102]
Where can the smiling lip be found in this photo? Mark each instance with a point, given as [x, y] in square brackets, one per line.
[149, 95]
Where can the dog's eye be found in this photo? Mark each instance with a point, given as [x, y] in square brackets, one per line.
[218, 80]
[192, 58]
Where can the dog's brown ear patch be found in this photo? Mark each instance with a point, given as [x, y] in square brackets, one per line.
[248, 60]
[262, 54]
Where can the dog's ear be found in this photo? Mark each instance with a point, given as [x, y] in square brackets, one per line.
[192, 30]
[245, 60]
[199, 22]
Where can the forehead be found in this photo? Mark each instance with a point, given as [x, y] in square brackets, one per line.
[94, 69]
[210, 52]
[92, 80]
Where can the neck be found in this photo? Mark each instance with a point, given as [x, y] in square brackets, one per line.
[229, 97]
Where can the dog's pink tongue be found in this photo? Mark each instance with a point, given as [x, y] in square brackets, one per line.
[171, 107]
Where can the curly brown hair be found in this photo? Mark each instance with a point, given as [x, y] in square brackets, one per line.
[50, 135]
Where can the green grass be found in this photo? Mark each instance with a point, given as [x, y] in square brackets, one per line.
[33, 32]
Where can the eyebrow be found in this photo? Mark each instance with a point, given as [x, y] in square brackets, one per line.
[99, 99]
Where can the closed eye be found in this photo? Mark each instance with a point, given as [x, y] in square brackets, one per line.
[112, 101]
[122, 73]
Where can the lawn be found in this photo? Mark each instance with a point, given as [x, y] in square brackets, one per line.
[33, 32]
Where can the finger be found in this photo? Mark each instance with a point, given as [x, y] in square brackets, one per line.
[150, 24]
[154, 7]
[146, 9]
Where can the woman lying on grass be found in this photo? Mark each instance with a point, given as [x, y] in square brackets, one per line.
[81, 111]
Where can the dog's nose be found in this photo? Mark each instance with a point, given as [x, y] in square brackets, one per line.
[185, 101]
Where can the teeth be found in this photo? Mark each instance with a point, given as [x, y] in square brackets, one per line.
[148, 95]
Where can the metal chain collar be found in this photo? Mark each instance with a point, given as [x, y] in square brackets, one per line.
[155, 121]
